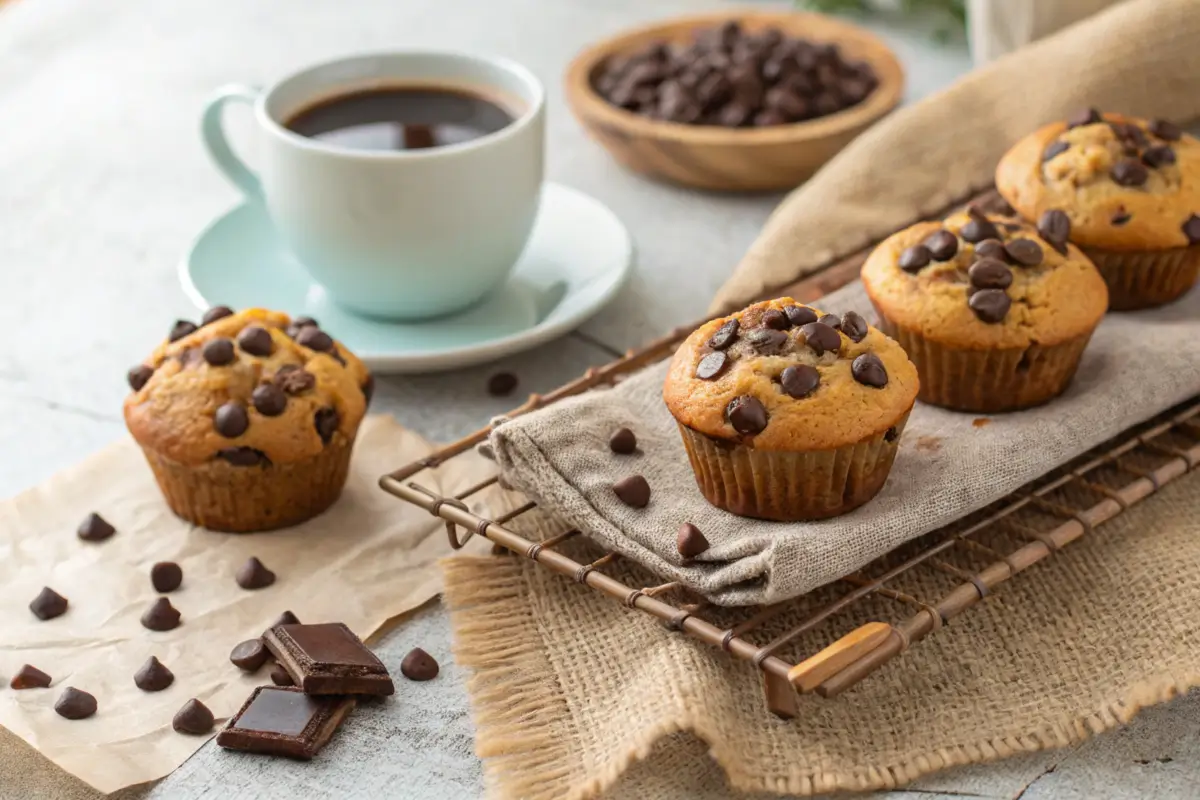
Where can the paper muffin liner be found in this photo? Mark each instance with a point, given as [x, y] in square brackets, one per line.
[1146, 278]
[223, 497]
[791, 486]
[988, 381]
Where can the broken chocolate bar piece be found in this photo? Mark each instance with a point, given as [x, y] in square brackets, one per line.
[284, 721]
[328, 659]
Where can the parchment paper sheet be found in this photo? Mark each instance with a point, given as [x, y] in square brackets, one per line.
[369, 558]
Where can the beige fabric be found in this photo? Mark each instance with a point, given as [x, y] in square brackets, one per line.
[1140, 57]
[570, 688]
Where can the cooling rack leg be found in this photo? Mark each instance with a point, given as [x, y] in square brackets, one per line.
[781, 697]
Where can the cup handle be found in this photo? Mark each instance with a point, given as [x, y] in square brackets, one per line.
[213, 130]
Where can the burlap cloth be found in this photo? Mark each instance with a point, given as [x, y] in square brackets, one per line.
[569, 689]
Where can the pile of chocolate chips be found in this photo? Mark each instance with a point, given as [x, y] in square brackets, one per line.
[728, 76]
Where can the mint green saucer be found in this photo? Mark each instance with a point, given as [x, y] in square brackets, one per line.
[576, 260]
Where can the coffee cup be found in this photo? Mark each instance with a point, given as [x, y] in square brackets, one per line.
[406, 184]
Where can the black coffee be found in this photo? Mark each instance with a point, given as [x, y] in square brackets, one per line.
[401, 118]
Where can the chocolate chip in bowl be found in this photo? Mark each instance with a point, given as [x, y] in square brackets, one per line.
[746, 101]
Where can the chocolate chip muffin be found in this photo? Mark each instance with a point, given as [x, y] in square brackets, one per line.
[788, 413]
[994, 314]
[1126, 190]
[248, 420]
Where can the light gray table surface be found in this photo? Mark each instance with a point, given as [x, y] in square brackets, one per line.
[103, 184]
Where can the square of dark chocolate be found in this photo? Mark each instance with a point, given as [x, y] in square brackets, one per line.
[284, 721]
[328, 659]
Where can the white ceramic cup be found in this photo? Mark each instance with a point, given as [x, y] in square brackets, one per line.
[395, 234]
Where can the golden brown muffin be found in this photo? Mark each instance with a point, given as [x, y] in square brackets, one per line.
[994, 317]
[1126, 190]
[788, 413]
[248, 421]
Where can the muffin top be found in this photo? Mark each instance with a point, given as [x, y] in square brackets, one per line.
[251, 388]
[979, 281]
[1123, 183]
[780, 375]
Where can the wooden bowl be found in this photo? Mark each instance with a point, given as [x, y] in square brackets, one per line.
[731, 159]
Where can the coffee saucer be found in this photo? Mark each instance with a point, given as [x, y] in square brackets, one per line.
[577, 258]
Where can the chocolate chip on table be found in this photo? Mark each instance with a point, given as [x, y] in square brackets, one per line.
[622, 441]
[294, 379]
[725, 335]
[942, 245]
[153, 676]
[502, 384]
[991, 248]
[776, 319]
[256, 340]
[988, 273]
[243, 456]
[139, 376]
[1157, 156]
[1084, 116]
[94, 528]
[990, 305]
[249, 655]
[419, 665]
[231, 420]
[29, 677]
[314, 339]
[161, 616]
[215, 313]
[194, 718]
[280, 676]
[800, 380]
[767, 340]
[166, 576]
[914, 258]
[821, 338]
[286, 618]
[1120, 216]
[219, 352]
[689, 541]
[1025, 252]
[326, 421]
[800, 315]
[180, 329]
[1164, 130]
[633, 491]
[48, 604]
[1055, 227]
[1055, 148]
[254, 575]
[711, 365]
[1128, 172]
[269, 400]
[868, 370]
[74, 704]
[747, 414]
[854, 326]
[1191, 229]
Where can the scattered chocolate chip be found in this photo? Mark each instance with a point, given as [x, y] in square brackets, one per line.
[215, 313]
[74, 704]
[747, 414]
[1164, 130]
[868, 370]
[326, 421]
[854, 326]
[48, 604]
[502, 384]
[269, 400]
[800, 315]
[633, 491]
[314, 339]
[194, 719]
[29, 677]
[1120, 216]
[767, 340]
[622, 441]
[286, 618]
[231, 420]
[294, 379]
[280, 676]
[1084, 116]
[253, 575]
[689, 541]
[161, 616]
[711, 365]
[219, 352]
[1055, 227]
[368, 388]
[153, 676]
[419, 666]
[988, 273]
[256, 341]
[774, 318]
[725, 335]
[942, 245]
[990, 305]
[915, 257]
[991, 248]
[800, 380]
[94, 528]
[1158, 156]
[1128, 172]
[821, 338]
[166, 576]
[243, 456]
[139, 376]
[1055, 148]
[249, 655]
[1025, 252]
[180, 329]
[978, 227]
